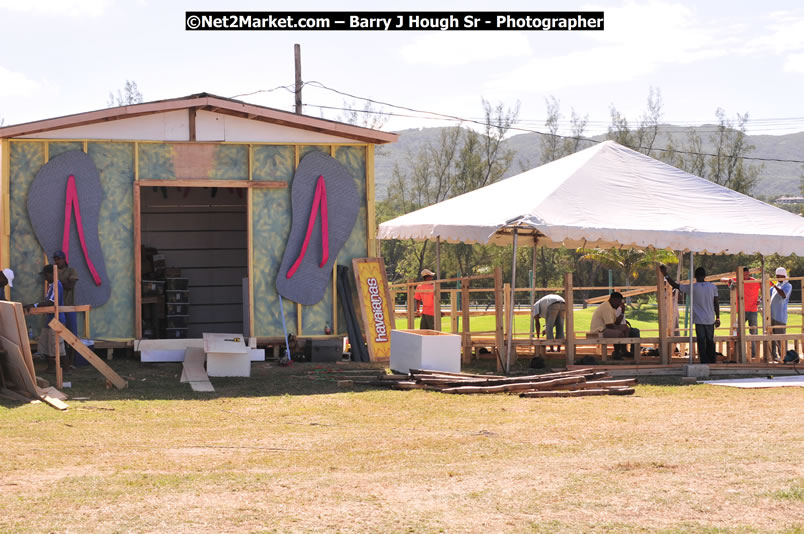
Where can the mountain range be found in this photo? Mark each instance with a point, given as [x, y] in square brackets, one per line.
[775, 178]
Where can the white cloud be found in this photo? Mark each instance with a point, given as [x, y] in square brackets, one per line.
[638, 39]
[77, 8]
[794, 63]
[15, 83]
[786, 34]
[463, 48]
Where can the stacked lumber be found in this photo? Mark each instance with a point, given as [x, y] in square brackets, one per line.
[575, 383]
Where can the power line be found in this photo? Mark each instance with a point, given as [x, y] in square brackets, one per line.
[443, 116]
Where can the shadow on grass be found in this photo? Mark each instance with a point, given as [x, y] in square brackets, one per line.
[160, 381]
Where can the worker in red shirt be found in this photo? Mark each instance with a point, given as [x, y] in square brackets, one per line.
[424, 296]
[751, 288]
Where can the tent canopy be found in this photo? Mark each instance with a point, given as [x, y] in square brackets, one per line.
[608, 196]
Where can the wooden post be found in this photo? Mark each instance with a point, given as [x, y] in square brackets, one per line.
[507, 308]
[437, 305]
[453, 310]
[297, 63]
[569, 324]
[740, 294]
[411, 306]
[467, 337]
[137, 262]
[661, 301]
[766, 317]
[59, 376]
[499, 336]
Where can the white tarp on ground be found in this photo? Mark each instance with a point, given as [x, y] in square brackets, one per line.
[609, 196]
[775, 382]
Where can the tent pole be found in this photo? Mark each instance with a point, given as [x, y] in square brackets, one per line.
[532, 291]
[692, 302]
[512, 306]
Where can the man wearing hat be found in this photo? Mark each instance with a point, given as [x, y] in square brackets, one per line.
[780, 296]
[6, 279]
[45, 342]
[425, 294]
[68, 277]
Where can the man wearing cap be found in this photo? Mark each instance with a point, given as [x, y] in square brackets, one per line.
[780, 296]
[68, 277]
[45, 342]
[425, 295]
[6, 279]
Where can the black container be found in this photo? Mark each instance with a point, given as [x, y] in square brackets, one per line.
[177, 284]
[177, 308]
[327, 350]
[177, 296]
[175, 333]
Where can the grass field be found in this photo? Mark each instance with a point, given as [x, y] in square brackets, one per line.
[280, 452]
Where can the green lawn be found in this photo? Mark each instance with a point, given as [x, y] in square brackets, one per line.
[644, 319]
[279, 452]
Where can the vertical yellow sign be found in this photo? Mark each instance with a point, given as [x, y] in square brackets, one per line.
[376, 306]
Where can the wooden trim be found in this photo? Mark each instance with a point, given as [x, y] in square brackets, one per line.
[569, 323]
[137, 262]
[136, 161]
[191, 123]
[371, 233]
[465, 322]
[85, 147]
[176, 142]
[47, 152]
[250, 162]
[250, 239]
[212, 183]
[298, 320]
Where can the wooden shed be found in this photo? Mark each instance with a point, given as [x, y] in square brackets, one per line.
[206, 181]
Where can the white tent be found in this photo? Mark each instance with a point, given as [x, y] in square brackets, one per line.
[608, 196]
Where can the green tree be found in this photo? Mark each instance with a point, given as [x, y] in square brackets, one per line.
[129, 95]
[628, 261]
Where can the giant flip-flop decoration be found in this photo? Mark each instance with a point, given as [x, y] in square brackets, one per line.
[69, 184]
[324, 206]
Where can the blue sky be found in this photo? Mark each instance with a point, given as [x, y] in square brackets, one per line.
[64, 56]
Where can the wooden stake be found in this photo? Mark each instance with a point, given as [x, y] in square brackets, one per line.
[411, 306]
[569, 324]
[661, 300]
[499, 337]
[465, 313]
[766, 317]
[740, 294]
[55, 284]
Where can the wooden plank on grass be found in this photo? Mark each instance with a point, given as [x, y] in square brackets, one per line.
[88, 355]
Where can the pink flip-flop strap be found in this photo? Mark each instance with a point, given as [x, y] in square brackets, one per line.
[70, 204]
[320, 198]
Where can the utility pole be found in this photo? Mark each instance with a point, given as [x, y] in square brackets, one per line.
[297, 54]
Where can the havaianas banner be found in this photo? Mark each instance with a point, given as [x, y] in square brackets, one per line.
[376, 306]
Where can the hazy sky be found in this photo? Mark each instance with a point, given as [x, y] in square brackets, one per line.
[64, 56]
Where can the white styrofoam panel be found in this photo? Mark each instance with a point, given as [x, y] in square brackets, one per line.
[212, 126]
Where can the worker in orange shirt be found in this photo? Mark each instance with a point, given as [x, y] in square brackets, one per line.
[751, 292]
[424, 296]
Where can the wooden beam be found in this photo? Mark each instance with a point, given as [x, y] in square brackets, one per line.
[250, 241]
[56, 315]
[465, 318]
[191, 112]
[212, 183]
[499, 321]
[5, 199]
[137, 208]
[437, 305]
[411, 306]
[741, 352]
[371, 225]
[88, 355]
[661, 300]
[569, 324]
[766, 317]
